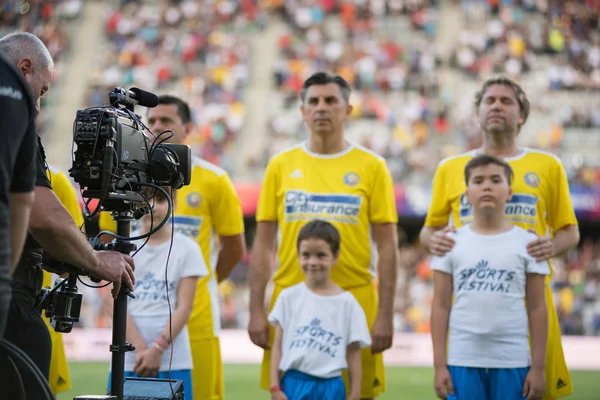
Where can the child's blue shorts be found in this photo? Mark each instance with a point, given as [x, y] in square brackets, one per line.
[487, 383]
[300, 386]
[184, 375]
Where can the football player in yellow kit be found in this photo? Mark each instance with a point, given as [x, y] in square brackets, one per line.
[541, 201]
[332, 179]
[208, 211]
[59, 378]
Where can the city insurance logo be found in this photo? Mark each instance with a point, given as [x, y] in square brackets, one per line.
[520, 208]
[304, 206]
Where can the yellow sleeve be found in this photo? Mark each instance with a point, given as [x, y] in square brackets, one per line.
[106, 222]
[382, 205]
[267, 201]
[65, 192]
[439, 209]
[226, 209]
[560, 207]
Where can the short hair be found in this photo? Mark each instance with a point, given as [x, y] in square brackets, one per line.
[323, 78]
[522, 99]
[482, 160]
[20, 45]
[323, 230]
[183, 109]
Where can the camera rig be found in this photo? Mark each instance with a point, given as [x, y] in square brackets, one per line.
[114, 160]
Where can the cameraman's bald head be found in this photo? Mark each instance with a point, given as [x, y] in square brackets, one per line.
[29, 54]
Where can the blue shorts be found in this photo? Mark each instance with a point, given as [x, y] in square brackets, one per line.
[300, 386]
[184, 375]
[487, 383]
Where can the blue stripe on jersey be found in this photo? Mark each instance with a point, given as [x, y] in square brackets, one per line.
[335, 198]
[180, 219]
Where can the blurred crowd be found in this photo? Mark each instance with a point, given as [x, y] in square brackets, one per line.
[559, 38]
[385, 50]
[196, 50]
[51, 21]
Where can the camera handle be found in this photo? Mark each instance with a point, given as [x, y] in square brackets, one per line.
[119, 344]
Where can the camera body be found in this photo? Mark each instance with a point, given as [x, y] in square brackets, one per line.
[115, 157]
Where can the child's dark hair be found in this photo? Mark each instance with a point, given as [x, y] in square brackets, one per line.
[320, 230]
[482, 160]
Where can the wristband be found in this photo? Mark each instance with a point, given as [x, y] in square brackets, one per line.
[158, 346]
[162, 342]
[167, 339]
[275, 388]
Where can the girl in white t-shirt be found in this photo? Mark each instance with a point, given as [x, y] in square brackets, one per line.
[148, 328]
[319, 328]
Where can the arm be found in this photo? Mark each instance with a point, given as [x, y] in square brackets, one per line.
[20, 209]
[354, 369]
[276, 355]
[565, 239]
[544, 248]
[134, 336]
[538, 319]
[53, 227]
[232, 251]
[147, 362]
[537, 313]
[186, 292]
[260, 273]
[440, 315]
[385, 237]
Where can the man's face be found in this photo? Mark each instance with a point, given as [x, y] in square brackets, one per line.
[324, 109]
[39, 81]
[488, 188]
[164, 117]
[499, 110]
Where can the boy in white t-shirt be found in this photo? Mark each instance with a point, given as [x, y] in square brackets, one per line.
[319, 328]
[148, 328]
[498, 293]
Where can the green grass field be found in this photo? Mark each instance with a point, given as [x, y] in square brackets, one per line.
[241, 383]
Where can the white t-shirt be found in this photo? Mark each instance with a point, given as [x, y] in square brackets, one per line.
[149, 310]
[317, 330]
[488, 322]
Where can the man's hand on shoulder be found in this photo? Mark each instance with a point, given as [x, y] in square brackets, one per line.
[441, 243]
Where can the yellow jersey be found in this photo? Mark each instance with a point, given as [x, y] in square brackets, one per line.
[206, 209]
[59, 379]
[352, 190]
[541, 197]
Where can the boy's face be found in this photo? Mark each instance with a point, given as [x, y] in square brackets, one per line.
[488, 187]
[316, 259]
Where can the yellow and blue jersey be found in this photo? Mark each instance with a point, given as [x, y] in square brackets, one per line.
[206, 209]
[351, 190]
[541, 197]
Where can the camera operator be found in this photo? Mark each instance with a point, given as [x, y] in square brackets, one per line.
[50, 227]
[17, 173]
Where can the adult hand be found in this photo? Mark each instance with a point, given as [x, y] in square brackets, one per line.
[258, 329]
[441, 243]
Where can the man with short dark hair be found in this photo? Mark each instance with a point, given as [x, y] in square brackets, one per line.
[329, 178]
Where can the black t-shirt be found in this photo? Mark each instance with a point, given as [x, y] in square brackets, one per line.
[17, 147]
